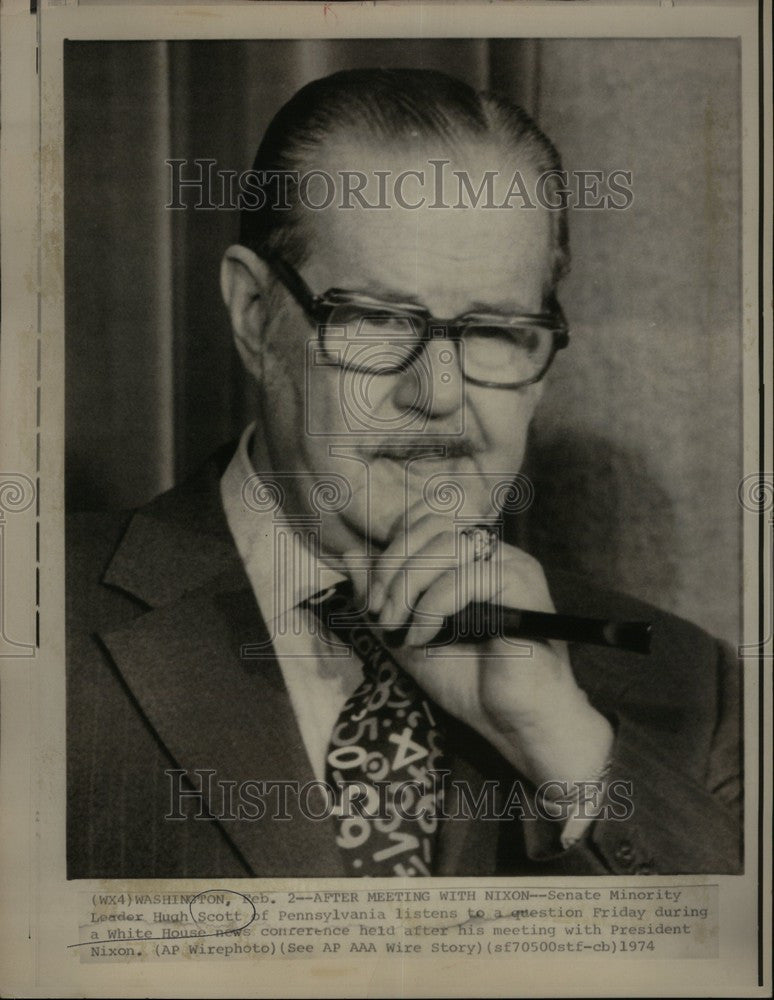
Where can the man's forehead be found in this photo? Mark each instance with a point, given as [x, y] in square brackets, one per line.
[425, 239]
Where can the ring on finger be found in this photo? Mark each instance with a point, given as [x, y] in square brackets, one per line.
[484, 540]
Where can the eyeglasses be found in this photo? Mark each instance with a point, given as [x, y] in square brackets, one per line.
[364, 334]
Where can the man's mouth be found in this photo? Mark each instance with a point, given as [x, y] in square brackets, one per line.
[436, 451]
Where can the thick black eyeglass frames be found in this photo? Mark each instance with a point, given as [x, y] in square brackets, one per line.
[360, 333]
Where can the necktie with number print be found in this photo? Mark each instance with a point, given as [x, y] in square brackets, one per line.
[385, 750]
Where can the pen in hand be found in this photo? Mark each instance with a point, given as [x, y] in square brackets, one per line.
[479, 622]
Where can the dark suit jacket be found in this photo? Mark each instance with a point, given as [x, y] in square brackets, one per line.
[159, 608]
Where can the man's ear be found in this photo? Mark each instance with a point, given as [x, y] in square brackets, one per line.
[244, 281]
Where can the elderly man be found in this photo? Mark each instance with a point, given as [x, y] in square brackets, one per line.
[224, 721]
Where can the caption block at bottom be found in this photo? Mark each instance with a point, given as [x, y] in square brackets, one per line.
[678, 921]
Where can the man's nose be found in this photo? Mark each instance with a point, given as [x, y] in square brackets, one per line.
[433, 383]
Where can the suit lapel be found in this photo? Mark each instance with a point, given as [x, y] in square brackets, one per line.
[212, 707]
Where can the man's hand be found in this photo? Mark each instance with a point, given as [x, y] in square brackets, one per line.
[527, 706]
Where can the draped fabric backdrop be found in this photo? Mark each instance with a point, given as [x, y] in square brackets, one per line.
[636, 448]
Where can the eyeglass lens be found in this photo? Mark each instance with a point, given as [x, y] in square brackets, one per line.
[382, 341]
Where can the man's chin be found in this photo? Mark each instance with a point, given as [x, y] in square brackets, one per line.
[446, 487]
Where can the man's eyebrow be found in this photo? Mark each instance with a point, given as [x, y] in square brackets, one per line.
[510, 308]
[374, 289]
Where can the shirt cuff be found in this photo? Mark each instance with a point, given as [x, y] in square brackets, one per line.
[578, 809]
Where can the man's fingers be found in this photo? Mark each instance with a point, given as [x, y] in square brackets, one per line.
[407, 542]
[449, 593]
[450, 554]
[408, 581]
[404, 579]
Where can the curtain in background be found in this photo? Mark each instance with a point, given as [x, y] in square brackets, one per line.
[636, 446]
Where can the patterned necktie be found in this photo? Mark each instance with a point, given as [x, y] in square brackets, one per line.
[384, 750]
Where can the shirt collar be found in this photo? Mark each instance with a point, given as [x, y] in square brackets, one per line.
[281, 565]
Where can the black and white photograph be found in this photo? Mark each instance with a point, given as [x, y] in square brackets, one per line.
[386, 499]
[461, 340]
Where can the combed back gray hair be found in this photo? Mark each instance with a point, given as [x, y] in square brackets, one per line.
[390, 105]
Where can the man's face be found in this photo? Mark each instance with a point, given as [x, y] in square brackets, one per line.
[375, 431]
